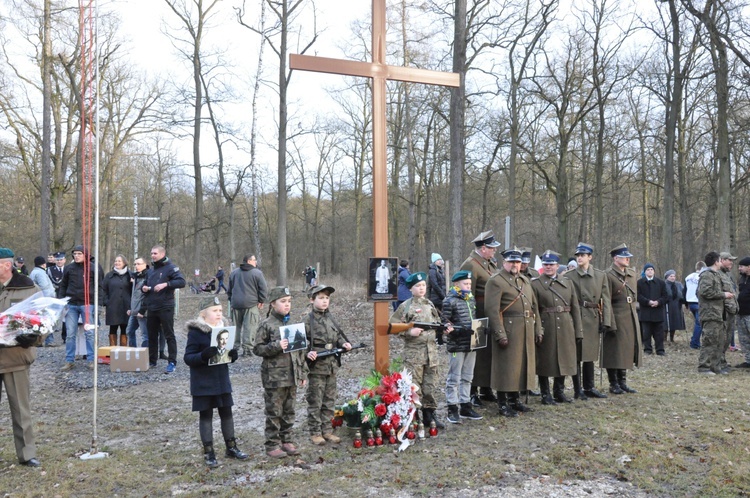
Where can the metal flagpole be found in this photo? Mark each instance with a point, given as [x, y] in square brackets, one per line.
[94, 452]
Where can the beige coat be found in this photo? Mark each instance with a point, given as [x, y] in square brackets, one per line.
[592, 289]
[513, 315]
[561, 322]
[622, 349]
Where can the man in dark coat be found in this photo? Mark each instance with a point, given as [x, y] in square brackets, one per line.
[515, 327]
[481, 264]
[161, 281]
[592, 290]
[621, 345]
[652, 296]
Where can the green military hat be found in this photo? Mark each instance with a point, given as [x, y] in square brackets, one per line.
[278, 293]
[461, 275]
[415, 278]
[208, 302]
[620, 251]
[6, 253]
[320, 288]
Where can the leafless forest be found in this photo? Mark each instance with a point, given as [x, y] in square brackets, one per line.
[607, 121]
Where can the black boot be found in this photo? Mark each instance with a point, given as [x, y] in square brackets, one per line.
[621, 379]
[467, 411]
[486, 394]
[453, 416]
[588, 381]
[233, 451]
[579, 394]
[209, 456]
[547, 398]
[514, 400]
[614, 384]
[504, 407]
[558, 389]
[431, 416]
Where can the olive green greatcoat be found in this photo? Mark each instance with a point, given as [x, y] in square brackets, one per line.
[592, 289]
[481, 270]
[514, 366]
[556, 355]
[621, 348]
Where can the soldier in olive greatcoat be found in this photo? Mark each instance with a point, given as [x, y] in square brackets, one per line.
[481, 264]
[621, 344]
[561, 323]
[592, 289]
[514, 326]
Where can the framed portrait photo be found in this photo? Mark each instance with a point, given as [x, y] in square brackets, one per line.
[223, 339]
[295, 334]
[479, 335]
[382, 283]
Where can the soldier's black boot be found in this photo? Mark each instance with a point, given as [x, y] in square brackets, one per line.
[588, 381]
[621, 379]
[614, 384]
[486, 394]
[233, 451]
[431, 416]
[547, 398]
[558, 389]
[504, 407]
[514, 400]
[209, 456]
[579, 394]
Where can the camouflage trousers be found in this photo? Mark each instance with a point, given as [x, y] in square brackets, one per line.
[321, 396]
[728, 335]
[743, 333]
[247, 321]
[714, 337]
[279, 415]
[426, 377]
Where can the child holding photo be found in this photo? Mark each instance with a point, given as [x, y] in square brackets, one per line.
[281, 373]
[209, 384]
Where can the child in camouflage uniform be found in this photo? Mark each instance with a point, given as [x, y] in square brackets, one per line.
[420, 349]
[322, 334]
[281, 374]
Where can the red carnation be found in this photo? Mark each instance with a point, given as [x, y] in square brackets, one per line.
[385, 428]
[35, 320]
[380, 409]
[395, 420]
[396, 377]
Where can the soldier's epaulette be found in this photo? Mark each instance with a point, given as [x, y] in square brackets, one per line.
[534, 278]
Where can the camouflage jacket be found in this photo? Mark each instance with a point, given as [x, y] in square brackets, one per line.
[323, 334]
[711, 300]
[278, 369]
[420, 350]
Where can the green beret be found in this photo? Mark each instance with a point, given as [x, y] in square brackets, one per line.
[461, 275]
[6, 253]
[415, 278]
[278, 293]
[320, 288]
[208, 302]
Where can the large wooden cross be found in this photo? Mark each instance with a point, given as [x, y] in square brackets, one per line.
[380, 73]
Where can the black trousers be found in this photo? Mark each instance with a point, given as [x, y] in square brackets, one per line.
[655, 330]
[161, 320]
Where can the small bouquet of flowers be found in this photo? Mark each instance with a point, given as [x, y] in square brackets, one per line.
[385, 402]
[34, 318]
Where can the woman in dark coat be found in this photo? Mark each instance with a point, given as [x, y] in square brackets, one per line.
[673, 317]
[117, 292]
[210, 386]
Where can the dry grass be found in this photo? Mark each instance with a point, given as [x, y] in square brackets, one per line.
[683, 434]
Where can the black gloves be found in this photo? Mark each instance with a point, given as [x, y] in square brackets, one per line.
[208, 353]
[233, 355]
[27, 340]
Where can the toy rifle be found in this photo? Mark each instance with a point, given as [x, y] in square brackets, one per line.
[396, 328]
[337, 352]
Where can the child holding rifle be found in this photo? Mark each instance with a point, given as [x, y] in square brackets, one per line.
[460, 308]
[281, 373]
[420, 350]
[323, 335]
